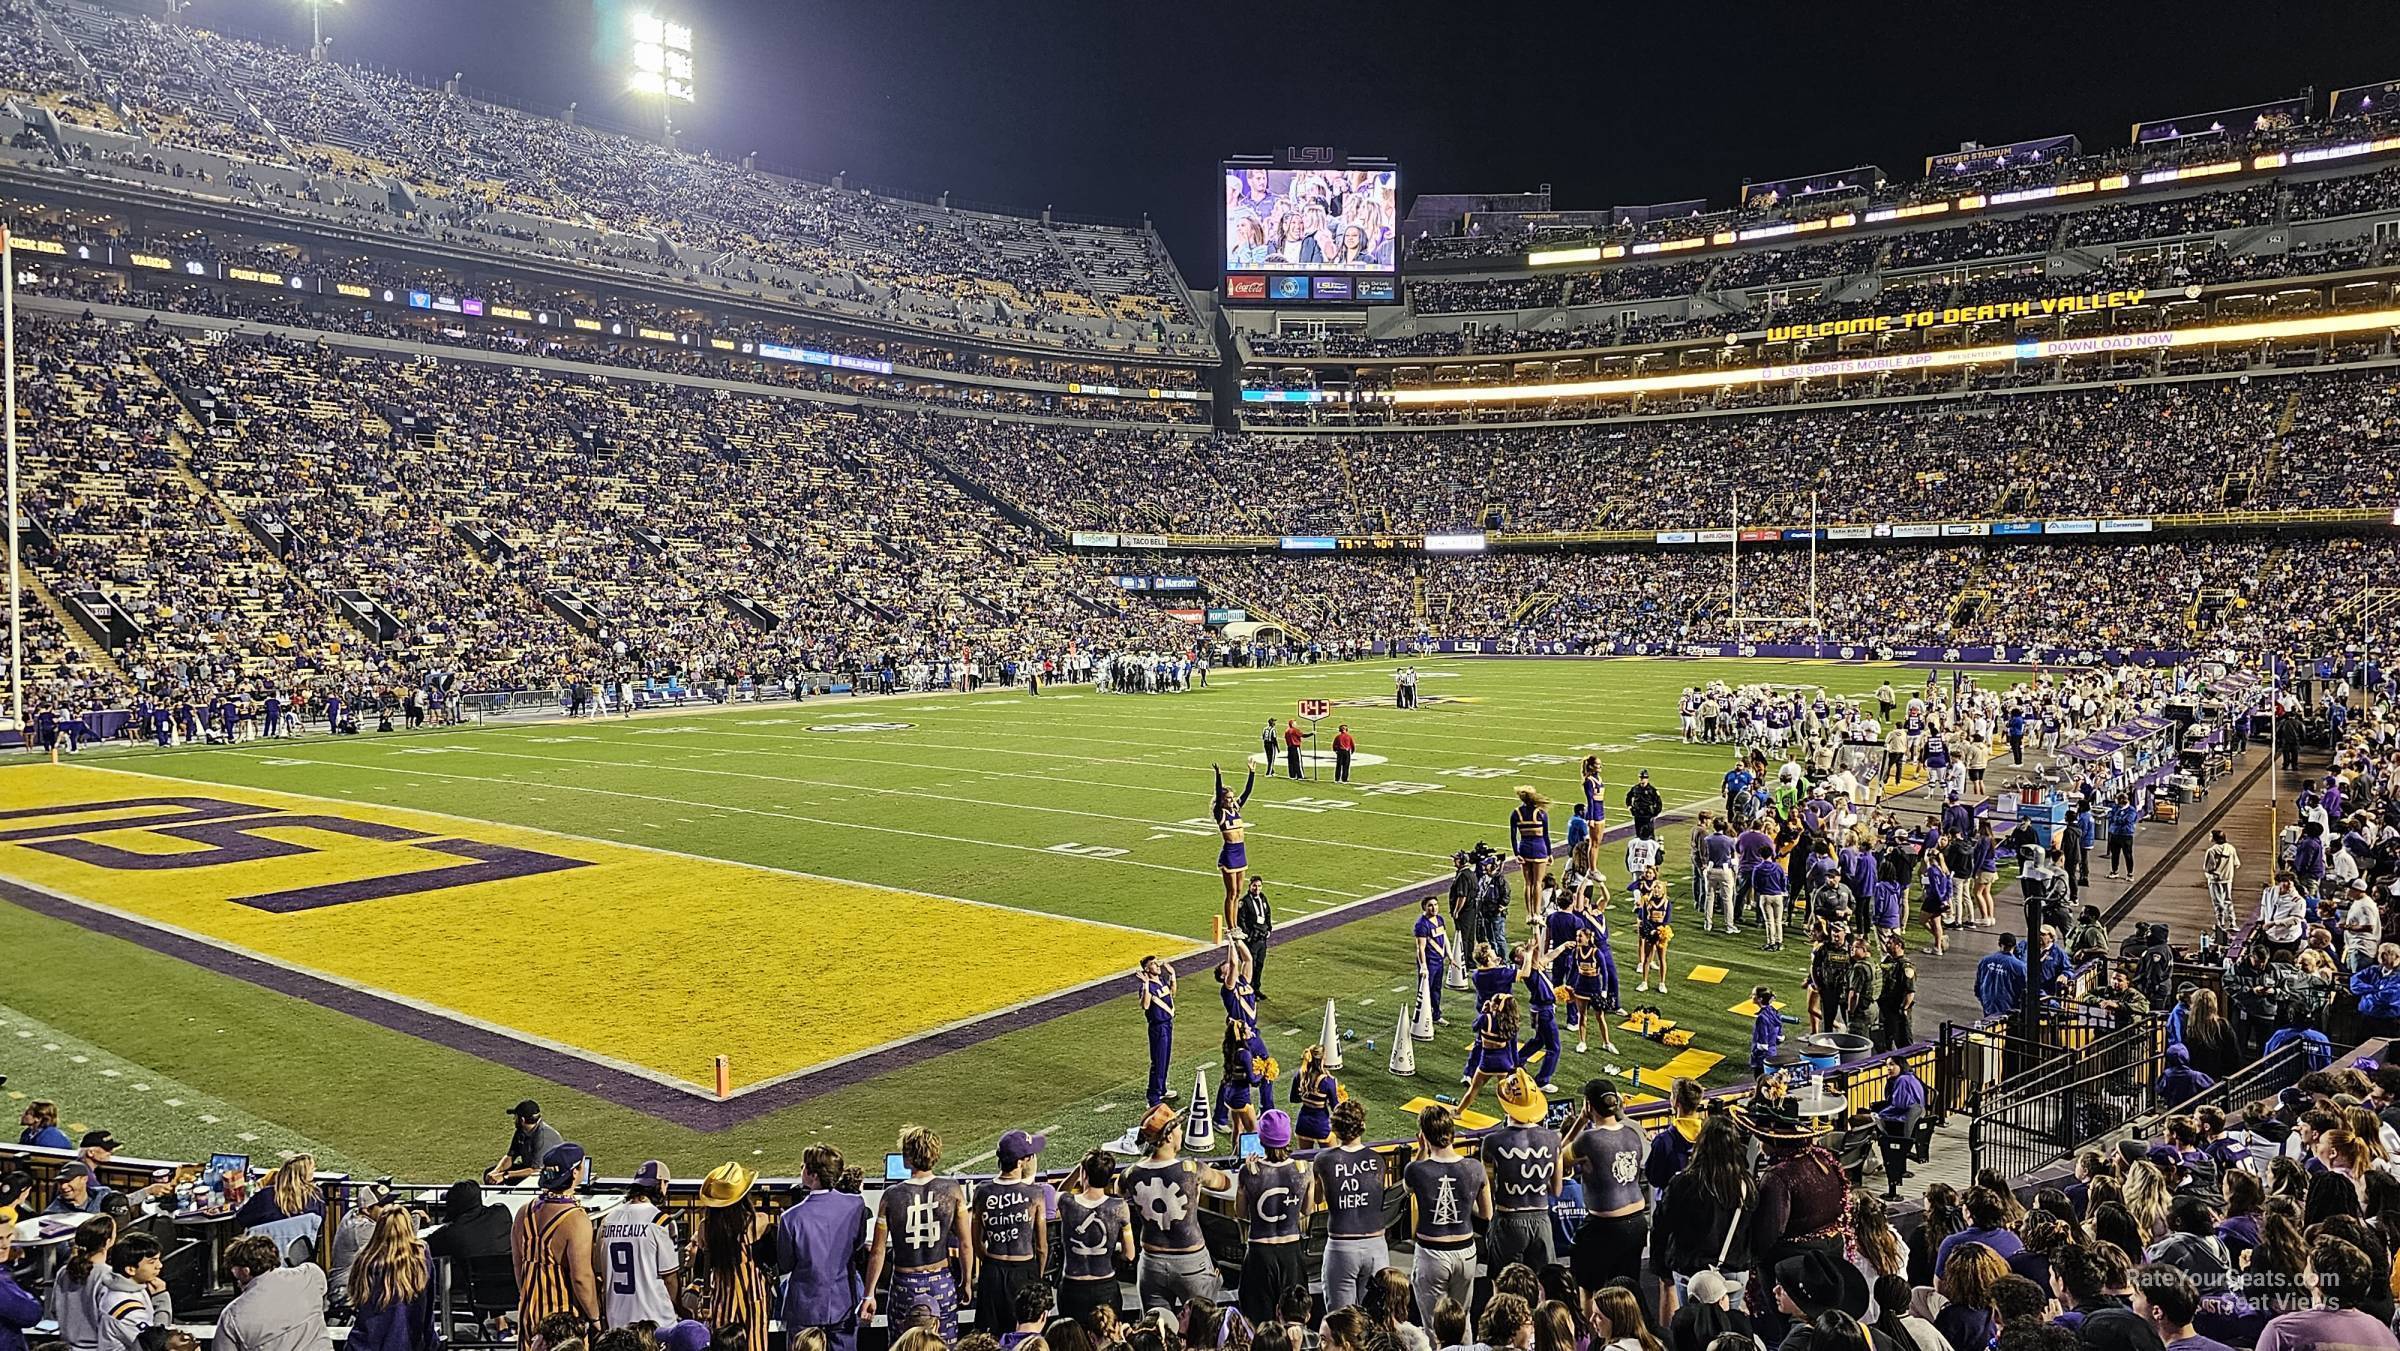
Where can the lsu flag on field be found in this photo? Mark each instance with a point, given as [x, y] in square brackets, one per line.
[646, 960]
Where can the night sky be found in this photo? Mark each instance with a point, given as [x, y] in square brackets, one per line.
[1124, 109]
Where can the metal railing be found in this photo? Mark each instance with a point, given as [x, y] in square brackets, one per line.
[2076, 1085]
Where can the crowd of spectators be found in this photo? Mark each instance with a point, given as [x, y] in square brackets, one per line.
[173, 295]
[624, 515]
[626, 509]
[484, 169]
[2059, 598]
[1745, 291]
[2274, 132]
[2296, 441]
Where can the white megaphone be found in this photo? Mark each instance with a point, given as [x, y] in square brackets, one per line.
[1404, 1048]
[1422, 1028]
[1331, 1038]
[1454, 976]
[1199, 1132]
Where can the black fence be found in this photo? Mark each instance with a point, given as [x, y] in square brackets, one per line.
[2034, 1121]
[2044, 1113]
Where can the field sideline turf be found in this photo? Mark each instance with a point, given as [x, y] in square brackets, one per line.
[843, 874]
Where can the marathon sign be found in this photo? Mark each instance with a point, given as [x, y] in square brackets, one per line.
[2091, 302]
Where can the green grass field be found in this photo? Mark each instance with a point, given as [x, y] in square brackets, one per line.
[1073, 804]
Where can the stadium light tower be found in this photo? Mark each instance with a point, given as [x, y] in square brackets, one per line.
[316, 27]
[662, 65]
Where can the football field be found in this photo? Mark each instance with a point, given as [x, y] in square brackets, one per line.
[875, 910]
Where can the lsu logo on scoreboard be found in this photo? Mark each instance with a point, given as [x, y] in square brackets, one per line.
[156, 834]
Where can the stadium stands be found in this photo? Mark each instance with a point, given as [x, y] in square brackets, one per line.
[2186, 594]
[515, 180]
[625, 515]
[2284, 443]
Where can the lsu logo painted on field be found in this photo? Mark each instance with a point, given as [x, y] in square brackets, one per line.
[229, 833]
[1423, 700]
[513, 929]
[861, 726]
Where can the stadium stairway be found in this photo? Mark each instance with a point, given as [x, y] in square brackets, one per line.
[750, 612]
[85, 642]
[1227, 596]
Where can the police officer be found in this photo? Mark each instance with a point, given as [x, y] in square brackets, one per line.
[1862, 990]
[1897, 1005]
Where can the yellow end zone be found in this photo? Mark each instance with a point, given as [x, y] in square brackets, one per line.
[656, 961]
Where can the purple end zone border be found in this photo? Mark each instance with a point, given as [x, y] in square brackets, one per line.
[691, 1110]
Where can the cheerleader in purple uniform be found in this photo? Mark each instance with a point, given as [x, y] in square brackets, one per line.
[1495, 1043]
[1433, 953]
[1595, 794]
[1541, 1002]
[1585, 989]
[1558, 938]
[1650, 914]
[1233, 860]
[1241, 1006]
[1241, 1078]
[1491, 977]
[1597, 915]
[1529, 835]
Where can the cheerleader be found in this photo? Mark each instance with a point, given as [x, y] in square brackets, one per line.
[1650, 914]
[1529, 836]
[1241, 1080]
[1433, 953]
[1595, 794]
[1597, 913]
[1495, 1045]
[1158, 1017]
[1316, 1091]
[1492, 977]
[1585, 990]
[1541, 1003]
[1233, 859]
[1241, 1005]
[1940, 888]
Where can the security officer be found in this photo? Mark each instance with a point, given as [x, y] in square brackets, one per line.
[1898, 1003]
[1255, 919]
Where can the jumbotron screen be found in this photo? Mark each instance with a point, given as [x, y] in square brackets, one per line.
[1311, 220]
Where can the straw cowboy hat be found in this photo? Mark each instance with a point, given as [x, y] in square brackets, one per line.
[725, 1184]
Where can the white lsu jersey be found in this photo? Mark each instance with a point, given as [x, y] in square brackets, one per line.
[637, 1254]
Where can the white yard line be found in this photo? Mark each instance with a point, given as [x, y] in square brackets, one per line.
[787, 816]
[646, 848]
[953, 768]
[872, 791]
